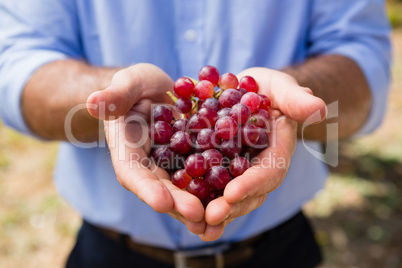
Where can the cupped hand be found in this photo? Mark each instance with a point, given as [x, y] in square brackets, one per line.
[291, 104]
[125, 105]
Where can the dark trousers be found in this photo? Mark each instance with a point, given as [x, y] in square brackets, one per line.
[291, 244]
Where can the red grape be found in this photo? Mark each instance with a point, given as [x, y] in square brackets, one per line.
[181, 179]
[199, 188]
[184, 105]
[226, 127]
[260, 118]
[196, 123]
[217, 177]
[228, 80]
[252, 100]
[163, 157]
[238, 166]
[211, 104]
[249, 134]
[209, 73]
[207, 139]
[231, 148]
[184, 87]
[212, 158]
[242, 91]
[161, 132]
[163, 113]
[195, 165]
[180, 125]
[210, 116]
[240, 113]
[193, 136]
[213, 194]
[265, 102]
[249, 84]
[230, 97]
[224, 112]
[204, 90]
[259, 146]
[181, 142]
[262, 141]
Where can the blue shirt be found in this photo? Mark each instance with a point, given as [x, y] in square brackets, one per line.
[180, 37]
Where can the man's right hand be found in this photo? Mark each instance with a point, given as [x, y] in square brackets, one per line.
[127, 102]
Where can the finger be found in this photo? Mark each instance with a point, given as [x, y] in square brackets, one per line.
[219, 210]
[265, 175]
[194, 227]
[186, 204]
[274, 113]
[298, 103]
[212, 232]
[146, 185]
[138, 82]
[118, 98]
[294, 101]
[132, 170]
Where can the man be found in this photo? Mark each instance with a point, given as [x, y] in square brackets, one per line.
[57, 54]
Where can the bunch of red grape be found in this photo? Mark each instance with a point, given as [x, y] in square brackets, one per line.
[222, 125]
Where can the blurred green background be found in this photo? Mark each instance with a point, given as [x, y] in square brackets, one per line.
[358, 216]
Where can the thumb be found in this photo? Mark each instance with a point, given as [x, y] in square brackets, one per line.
[298, 103]
[118, 98]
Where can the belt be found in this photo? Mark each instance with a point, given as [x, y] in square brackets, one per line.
[218, 256]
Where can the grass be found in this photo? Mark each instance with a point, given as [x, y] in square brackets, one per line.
[37, 226]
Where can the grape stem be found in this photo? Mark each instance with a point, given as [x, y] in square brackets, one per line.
[194, 81]
[218, 94]
[194, 107]
[173, 97]
[252, 120]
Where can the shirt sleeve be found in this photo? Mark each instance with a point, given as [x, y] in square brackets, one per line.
[32, 33]
[360, 30]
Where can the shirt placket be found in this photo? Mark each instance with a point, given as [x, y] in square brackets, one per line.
[190, 36]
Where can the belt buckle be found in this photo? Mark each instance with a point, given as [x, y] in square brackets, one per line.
[180, 257]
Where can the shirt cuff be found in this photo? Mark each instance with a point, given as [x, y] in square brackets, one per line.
[16, 74]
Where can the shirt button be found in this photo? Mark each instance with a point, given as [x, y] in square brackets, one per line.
[190, 35]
